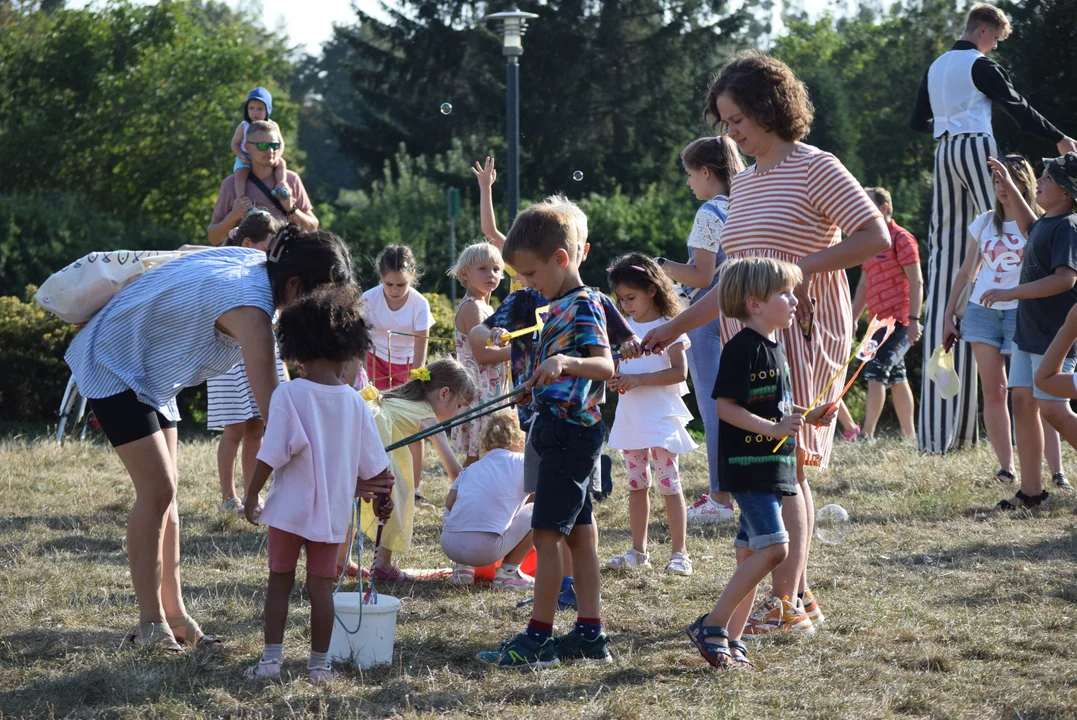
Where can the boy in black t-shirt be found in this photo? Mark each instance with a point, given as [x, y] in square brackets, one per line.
[755, 410]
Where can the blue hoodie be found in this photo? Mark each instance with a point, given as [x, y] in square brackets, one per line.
[259, 93]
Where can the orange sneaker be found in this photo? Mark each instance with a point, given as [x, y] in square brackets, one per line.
[812, 609]
[776, 614]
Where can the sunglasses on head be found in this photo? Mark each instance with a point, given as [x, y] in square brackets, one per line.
[267, 145]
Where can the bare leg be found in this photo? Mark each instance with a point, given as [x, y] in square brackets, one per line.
[876, 400]
[901, 396]
[1052, 448]
[518, 553]
[547, 574]
[240, 181]
[1026, 418]
[809, 517]
[321, 612]
[1061, 418]
[677, 516]
[149, 463]
[276, 609]
[639, 512]
[253, 430]
[722, 498]
[789, 575]
[171, 589]
[227, 451]
[992, 368]
[585, 566]
[845, 417]
[471, 460]
[740, 590]
[383, 559]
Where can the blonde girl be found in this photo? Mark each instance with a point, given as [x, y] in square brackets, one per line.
[434, 394]
[479, 269]
[651, 416]
[230, 400]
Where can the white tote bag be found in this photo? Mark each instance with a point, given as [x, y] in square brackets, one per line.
[77, 292]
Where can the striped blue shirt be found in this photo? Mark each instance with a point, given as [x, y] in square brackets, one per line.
[157, 336]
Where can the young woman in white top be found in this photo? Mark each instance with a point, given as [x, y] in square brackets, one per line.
[651, 417]
[996, 248]
[396, 307]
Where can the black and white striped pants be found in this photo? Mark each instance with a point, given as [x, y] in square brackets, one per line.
[962, 191]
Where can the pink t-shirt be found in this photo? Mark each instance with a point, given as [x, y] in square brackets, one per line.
[319, 440]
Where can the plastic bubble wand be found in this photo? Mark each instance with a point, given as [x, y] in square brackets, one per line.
[865, 351]
[540, 323]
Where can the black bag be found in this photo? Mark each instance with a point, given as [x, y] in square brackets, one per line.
[265, 191]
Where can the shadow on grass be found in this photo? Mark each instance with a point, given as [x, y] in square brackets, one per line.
[110, 515]
[30, 646]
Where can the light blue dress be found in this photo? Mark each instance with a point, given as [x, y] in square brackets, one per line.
[158, 335]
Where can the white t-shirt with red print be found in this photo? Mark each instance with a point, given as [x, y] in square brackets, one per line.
[1002, 254]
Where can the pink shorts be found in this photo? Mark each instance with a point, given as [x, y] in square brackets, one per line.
[385, 376]
[284, 554]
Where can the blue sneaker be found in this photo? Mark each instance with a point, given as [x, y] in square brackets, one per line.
[574, 646]
[566, 599]
[523, 652]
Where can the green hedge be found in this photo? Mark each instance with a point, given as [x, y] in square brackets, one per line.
[32, 345]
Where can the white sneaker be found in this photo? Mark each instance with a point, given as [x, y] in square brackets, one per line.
[462, 575]
[631, 559]
[264, 669]
[706, 511]
[321, 675]
[514, 580]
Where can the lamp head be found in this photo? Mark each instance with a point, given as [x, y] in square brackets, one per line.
[513, 23]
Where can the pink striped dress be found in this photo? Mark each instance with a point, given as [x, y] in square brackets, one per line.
[798, 208]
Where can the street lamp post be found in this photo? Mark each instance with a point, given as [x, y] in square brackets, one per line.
[513, 23]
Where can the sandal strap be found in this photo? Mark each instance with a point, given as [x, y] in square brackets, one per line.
[706, 631]
[1006, 474]
[738, 645]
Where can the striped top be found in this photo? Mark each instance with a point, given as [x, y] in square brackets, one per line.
[158, 335]
[797, 208]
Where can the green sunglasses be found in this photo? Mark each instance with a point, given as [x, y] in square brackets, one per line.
[267, 145]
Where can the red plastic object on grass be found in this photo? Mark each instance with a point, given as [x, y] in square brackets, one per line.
[527, 567]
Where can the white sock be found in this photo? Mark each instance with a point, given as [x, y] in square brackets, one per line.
[509, 569]
[273, 652]
[318, 660]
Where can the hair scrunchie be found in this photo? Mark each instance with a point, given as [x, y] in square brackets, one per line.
[232, 233]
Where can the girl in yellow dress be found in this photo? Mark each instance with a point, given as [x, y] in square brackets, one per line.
[434, 394]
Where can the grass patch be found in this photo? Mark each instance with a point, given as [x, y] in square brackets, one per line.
[933, 611]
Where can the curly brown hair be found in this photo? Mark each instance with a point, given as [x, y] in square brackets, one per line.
[767, 91]
[639, 271]
[326, 323]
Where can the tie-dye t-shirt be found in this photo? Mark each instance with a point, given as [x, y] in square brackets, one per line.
[517, 311]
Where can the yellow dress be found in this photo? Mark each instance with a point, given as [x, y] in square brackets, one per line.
[396, 419]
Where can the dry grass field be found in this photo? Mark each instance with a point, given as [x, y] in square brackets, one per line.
[933, 610]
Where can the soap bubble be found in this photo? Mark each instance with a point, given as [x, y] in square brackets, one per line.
[446, 108]
[577, 176]
[831, 524]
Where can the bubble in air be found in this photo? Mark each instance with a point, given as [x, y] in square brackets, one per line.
[577, 176]
[446, 108]
[831, 524]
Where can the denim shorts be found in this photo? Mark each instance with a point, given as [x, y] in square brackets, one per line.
[992, 327]
[239, 164]
[760, 520]
[1023, 368]
[567, 454]
[888, 365]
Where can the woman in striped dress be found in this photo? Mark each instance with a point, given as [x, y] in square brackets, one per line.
[185, 322]
[792, 205]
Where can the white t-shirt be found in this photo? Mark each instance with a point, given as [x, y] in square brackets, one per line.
[489, 494]
[1002, 255]
[319, 440]
[413, 315]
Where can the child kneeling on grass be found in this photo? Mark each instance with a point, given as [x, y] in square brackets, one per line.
[320, 443]
[567, 434]
[754, 397]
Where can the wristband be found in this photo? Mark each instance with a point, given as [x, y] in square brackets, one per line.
[293, 211]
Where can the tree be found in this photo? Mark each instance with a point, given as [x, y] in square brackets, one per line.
[131, 107]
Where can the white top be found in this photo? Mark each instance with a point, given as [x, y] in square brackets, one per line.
[957, 105]
[413, 315]
[243, 145]
[319, 440]
[707, 235]
[652, 416]
[157, 336]
[1002, 255]
[489, 494]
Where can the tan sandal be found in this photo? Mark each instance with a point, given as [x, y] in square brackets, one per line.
[152, 634]
[189, 627]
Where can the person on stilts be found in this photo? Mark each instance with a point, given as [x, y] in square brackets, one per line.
[954, 104]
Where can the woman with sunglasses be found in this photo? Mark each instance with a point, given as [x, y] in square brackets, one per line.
[192, 319]
[265, 145]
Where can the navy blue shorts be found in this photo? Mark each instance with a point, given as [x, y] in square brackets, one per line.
[567, 454]
[760, 520]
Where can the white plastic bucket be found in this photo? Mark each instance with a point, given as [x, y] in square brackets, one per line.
[372, 643]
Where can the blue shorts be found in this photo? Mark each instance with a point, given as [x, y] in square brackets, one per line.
[567, 454]
[239, 164]
[760, 520]
[989, 326]
[1023, 368]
